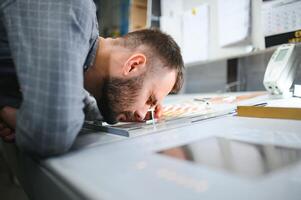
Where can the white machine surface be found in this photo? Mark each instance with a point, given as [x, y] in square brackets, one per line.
[227, 157]
[281, 69]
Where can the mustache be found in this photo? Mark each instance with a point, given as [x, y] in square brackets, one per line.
[129, 116]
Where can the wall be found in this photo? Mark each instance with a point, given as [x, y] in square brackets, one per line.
[210, 77]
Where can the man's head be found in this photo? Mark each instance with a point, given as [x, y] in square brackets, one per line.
[141, 69]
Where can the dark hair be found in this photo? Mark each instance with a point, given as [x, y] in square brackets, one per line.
[162, 46]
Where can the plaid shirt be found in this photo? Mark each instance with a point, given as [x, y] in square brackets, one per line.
[50, 42]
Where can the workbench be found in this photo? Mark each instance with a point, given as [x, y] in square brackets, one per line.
[222, 157]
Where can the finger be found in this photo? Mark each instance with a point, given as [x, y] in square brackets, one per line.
[5, 132]
[158, 111]
[8, 115]
[9, 138]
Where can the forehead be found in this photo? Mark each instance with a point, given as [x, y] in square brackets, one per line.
[162, 83]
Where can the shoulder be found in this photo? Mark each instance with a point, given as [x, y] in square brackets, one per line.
[83, 14]
[83, 7]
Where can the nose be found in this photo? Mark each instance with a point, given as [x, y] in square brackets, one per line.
[121, 117]
[141, 113]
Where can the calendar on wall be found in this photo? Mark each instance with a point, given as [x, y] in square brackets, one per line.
[281, 21]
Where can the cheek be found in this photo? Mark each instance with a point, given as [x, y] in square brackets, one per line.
[137, 101]
[141, 99]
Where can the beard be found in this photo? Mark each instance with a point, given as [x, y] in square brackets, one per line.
[118, 95]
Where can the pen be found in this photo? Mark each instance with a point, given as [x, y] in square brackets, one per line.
[203, 100]
[260, 104]
[152, 120]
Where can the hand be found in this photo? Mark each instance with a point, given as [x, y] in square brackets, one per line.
[7, 134]
[8, 123]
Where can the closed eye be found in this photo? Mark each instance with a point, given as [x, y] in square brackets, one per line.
[152, 101]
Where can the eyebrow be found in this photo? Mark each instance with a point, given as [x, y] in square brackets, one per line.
[153, 100]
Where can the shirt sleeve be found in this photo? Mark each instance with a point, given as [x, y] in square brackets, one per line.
[91, 110]
[49, 41]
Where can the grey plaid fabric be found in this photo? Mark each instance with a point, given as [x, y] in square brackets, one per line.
[51, 42]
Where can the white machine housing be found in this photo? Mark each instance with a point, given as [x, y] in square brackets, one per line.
[281, 70]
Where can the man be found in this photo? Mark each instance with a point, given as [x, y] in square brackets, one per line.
[50, 52]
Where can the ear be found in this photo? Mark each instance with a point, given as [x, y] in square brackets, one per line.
[135, 65]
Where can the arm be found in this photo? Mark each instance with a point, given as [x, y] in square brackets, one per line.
[49, 46]
[8, 117]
